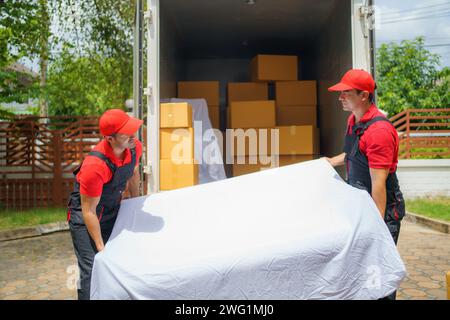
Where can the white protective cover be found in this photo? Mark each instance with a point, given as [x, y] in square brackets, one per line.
[295, 232]
[207, 145]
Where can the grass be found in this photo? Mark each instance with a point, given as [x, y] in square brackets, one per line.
[436, 208]
[10, 219]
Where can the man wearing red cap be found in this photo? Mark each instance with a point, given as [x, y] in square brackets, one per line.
[101, 180]
[371, 149]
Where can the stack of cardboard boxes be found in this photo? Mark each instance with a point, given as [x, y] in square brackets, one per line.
[208, 90]
[178, 167]
[254, 145]
[293, 113]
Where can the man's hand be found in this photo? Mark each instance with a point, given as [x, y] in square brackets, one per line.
[378, 178]
[336, 161]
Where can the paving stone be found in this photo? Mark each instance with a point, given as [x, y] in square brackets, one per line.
[39, 296]
[439, 294]
[414, 293]
[428, 285]
[17, 296]
[7, 289]
[438, 278]
[408, 285]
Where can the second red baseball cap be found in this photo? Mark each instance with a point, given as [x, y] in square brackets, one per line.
[118, 121]
[355, 79]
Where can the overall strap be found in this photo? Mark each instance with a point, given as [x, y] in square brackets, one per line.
[101, 156]
[362, 127]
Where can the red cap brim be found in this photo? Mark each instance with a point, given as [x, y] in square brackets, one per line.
[131, 126]
[340, 87]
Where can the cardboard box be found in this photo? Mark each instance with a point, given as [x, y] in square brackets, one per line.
[298, 140]
[296, 93]
[252, 114]
[177, 143]
[247, 91]
[175, 115]
[175, 176]
[208, 90]
[214, 116]
[274, 68]
[246, 165]
[296, 116]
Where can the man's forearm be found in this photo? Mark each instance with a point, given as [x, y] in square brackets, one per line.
[134, 185]
[93, 227]
[338, 160]
[379, 197]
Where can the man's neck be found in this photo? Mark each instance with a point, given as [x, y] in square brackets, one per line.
[118, 152]
[360, 112]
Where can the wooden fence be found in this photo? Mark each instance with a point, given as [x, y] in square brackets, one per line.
[37, 157]
[423, 133]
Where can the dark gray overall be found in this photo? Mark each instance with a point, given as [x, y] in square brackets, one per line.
[107, 209]
[358, 175]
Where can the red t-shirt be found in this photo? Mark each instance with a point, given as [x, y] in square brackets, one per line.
[380, 141]
[94, 172]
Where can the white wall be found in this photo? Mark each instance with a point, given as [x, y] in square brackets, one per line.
[420, 178]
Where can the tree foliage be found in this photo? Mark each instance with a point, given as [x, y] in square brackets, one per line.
[88, 47]
[19, 38]
[408, 77]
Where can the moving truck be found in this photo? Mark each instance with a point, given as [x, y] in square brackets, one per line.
[199, 40]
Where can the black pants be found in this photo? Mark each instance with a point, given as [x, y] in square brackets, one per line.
[394, 228]
[85, 251]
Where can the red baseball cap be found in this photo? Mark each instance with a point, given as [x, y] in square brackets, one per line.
[355, 79]
[117, 121]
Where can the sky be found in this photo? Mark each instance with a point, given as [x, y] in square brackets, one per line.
[406, 19]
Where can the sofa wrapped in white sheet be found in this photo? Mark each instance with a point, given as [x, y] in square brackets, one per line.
[296, 232]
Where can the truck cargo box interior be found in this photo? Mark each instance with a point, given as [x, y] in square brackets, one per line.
[215, 40]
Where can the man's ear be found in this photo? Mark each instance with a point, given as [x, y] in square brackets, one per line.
[109, 138]
[365, 95]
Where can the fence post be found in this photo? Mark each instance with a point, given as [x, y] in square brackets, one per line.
[57, 170]
[408, 141]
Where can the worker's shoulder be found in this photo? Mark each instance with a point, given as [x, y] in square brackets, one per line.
[380, 132]
[93, 164]
[381, 125]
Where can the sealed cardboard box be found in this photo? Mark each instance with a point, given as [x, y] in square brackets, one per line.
[177, 143]
[298, 140]
[247, 91]
[274, 68]
[208, 90]
[252, 114]
[295, 93]
[175, 115]
[214, 116]
[296, 115]
[175, 174]
[251, 164]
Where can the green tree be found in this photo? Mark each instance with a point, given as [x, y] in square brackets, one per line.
[85, 66]
[94, 70]
[85, 85]
[408, 77]
[19, 38]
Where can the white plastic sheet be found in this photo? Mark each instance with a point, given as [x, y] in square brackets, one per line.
[296, 232]
[207, 148]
